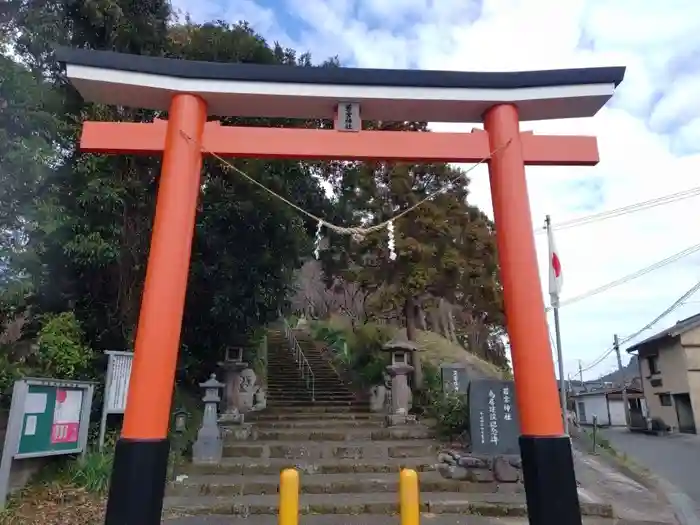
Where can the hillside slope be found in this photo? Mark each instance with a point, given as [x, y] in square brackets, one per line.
[437, 350]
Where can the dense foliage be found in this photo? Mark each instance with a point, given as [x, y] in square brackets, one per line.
[75, 228]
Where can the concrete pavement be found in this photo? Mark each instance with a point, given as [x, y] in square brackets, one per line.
[600, 482]
[675, 457]
[426, 519]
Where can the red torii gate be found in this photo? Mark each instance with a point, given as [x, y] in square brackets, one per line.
[190, 91]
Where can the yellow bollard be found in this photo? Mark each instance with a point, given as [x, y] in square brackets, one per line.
[409, 497]
[289, 497]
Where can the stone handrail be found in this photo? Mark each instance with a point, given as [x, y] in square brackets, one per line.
[304, 367]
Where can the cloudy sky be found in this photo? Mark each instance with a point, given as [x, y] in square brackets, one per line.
[649, 134]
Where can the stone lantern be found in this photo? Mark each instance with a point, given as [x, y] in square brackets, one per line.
[232, 366]
[400, 350]
[209, 446]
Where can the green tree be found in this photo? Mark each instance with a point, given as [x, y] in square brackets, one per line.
[87, 240]
[28, 125]
[445, 247]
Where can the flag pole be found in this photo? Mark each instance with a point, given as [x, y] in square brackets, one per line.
[562, 381]
[557, 337]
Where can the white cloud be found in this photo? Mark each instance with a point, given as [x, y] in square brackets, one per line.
[639, 145]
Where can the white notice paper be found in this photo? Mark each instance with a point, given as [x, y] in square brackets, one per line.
[35, 403]
[30, 427]
[68, 405]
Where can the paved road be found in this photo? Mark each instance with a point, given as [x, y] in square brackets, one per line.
[675, 457]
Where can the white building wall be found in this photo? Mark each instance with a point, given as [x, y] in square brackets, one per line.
[617, 413]
[595, 405]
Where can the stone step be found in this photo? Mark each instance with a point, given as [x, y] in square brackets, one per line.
[317, 409]
[315, 406]
[306, 396]
[319, 394]
[347, 434]
[286, 370]
[254, 466]
[307, 347]
[281, 336]
[302, 389]
[288, 356]
[297, 382]
[288, 359]
[320, 424]
[293, 416]
[491, 504]
[244, 485]
[371, 519]
[323, 392]
[318, 403]
[285, 365]
[314, 450]
[318, 373]
[280, 369]
[308, 399]
[292, 382]
[293, 378]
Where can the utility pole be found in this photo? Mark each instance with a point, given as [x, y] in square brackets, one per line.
[580, 371]
[625, 400]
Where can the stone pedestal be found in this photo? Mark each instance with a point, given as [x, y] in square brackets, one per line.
[239, 432]
[400, 394]
[209, 446]
[232, 401]
[398, 370]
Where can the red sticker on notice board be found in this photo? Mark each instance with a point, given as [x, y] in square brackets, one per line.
[66, 416]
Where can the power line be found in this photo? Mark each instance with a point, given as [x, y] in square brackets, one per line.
[639, 273]
[678, 303]
[674, 306]
[624, 210]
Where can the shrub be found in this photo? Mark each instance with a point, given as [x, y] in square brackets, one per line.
[369, 339]
[431, 377]
[9, 373]
[368, 358]
[451, 411]
[335, 338]
[62, 352]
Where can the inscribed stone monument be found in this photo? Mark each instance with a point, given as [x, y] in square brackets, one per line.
[455, 378]
[493, 417]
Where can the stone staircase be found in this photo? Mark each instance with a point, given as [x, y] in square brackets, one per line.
[285, 387]
[348, 460]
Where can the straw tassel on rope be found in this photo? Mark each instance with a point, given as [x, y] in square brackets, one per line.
[392, 241]
[317, 243]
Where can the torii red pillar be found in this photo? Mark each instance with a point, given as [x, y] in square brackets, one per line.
[136, 493]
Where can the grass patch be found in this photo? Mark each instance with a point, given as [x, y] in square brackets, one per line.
[434, 348]
[437, 350]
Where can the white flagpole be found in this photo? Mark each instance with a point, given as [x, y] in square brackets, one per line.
[557, 334]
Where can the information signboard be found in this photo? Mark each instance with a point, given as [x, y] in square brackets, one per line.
[116, 387]
[48, 417]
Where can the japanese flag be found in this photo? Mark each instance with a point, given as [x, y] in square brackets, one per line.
[555, 277]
